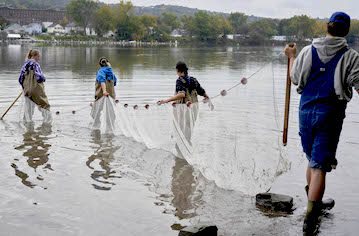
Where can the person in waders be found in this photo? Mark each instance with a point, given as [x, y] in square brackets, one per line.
[32, 81]
[104, 87]
[186, 92]
[325, 73]
[187, 87]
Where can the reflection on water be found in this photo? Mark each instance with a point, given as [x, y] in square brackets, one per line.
[104, 154]
[183, 187]
[36, 149]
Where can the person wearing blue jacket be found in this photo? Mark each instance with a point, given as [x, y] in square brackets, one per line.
[104, 86]
[105, 80]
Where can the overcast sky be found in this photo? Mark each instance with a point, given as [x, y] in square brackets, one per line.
[264, 8]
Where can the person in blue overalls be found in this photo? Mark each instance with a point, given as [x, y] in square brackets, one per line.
[325, 73]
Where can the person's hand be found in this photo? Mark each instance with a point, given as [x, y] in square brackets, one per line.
[106, 94]
[290, 50]
[163, 101]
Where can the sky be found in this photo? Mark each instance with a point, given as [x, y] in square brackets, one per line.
[264, 8]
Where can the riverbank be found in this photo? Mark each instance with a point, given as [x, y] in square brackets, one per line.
[77, 42]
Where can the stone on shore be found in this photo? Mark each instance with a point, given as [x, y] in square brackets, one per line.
[199, 230]
[274, 202]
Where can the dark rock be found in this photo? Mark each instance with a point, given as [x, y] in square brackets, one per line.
[199, 230]
[274, 202]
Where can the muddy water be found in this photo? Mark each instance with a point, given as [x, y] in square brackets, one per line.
[66, 179]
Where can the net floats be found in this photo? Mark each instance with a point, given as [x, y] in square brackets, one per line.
[244, 80]
[147, 106]
[223, 92]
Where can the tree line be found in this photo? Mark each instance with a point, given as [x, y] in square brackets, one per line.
[201, 26]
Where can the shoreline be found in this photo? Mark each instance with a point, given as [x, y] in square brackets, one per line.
[71, 42]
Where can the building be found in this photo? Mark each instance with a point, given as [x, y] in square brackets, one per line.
[13, 36]
[28, 16]
[178, 33]
[55, 28]
[279, 38]
[33, 28]
[73, 28]
[15, 29]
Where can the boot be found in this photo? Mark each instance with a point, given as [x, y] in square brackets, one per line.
[311, 219]
[327, 204]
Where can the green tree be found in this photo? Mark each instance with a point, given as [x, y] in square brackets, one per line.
[148, 20]
[188, 25]
[203, 27]
[64, 21]
[261, 30]
[170, 19]
[304, 27]
[104, 20]
[354, 31]
[82, 11]
[3, 23]
[238, 22]
[128, 26]
[320, 29]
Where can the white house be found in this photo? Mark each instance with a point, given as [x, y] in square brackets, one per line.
[73, 28]
[55, 28]
[109, 34]
[13, 36]
[91, 31]
[46, 24]
[279, 38]
[177, 33]
[15, 29]
[33, 28]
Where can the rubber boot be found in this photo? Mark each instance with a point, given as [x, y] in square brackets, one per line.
[311, 219]
[327, 204]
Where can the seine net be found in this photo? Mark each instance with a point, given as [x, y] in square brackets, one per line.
[237, 144]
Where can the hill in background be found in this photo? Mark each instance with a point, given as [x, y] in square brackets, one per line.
[138, 10]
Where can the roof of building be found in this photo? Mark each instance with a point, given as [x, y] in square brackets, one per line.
[53, 25]
[13, 36]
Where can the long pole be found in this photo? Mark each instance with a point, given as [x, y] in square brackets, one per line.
[10, 106]
[287, 104]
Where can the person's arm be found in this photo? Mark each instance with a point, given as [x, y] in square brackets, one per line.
[291, 53]
[200, 90]
[38, 73]
[174, 98]
[103, 86]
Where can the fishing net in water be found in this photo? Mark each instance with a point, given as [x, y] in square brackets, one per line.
[28, 111]
[237, 144]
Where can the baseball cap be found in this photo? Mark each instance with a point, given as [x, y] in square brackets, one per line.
[341, 18]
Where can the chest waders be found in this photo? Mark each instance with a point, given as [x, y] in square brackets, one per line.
[35, 90]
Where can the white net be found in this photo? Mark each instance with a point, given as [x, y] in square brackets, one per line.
[237, 144]
[27, 114]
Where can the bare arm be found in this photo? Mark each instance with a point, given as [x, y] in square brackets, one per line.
[174, 98]
[103, 86]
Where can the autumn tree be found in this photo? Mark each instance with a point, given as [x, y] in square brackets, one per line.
[82, 11]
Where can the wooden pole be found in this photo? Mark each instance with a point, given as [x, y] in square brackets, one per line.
[10, 106]
[287, 103]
